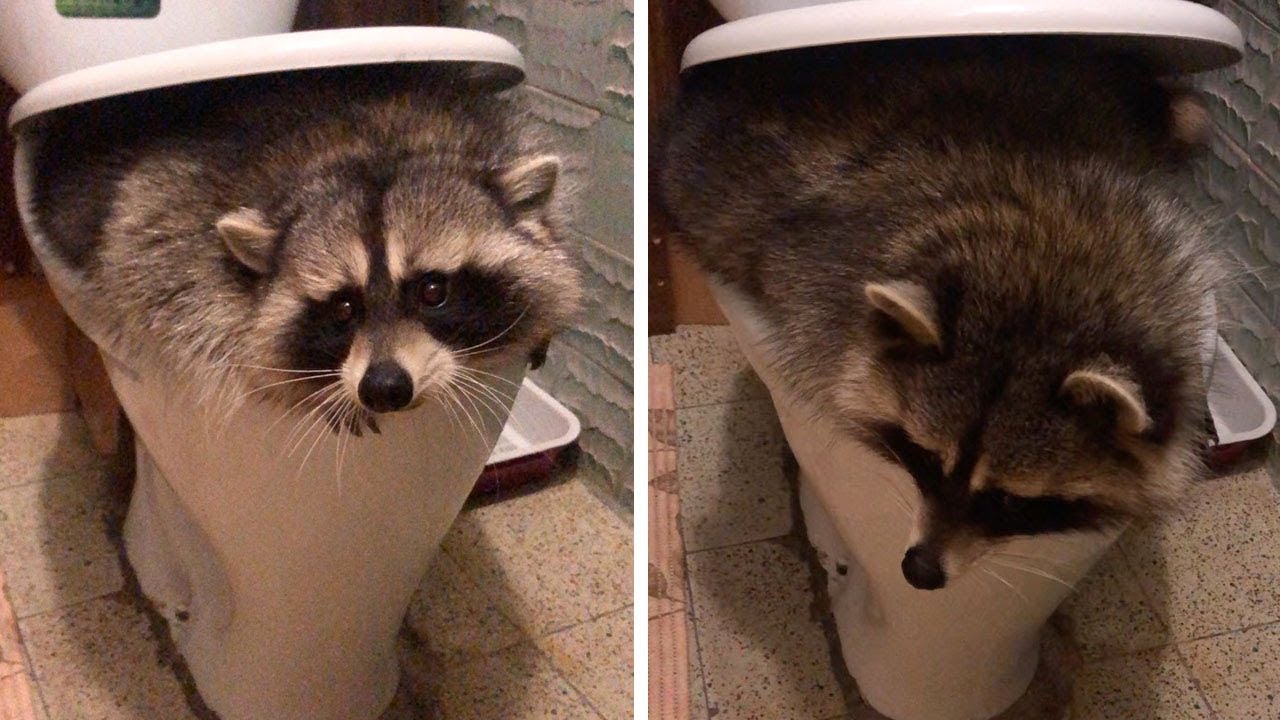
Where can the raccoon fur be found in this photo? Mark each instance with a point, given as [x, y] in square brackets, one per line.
[358, 238]
[970, 258]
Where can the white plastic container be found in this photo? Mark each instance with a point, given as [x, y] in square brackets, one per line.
[38, 42]
[538, 424]
[1241, 411]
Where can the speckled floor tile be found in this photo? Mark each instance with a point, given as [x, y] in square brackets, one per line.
[1109, 613]
[596, 657]
[1213, 568]
[1239, 673]
[518, 683]
[454, 617]
[548, 559]
[39, 447]
[709, 366]
[54, 545]
[762, 654]
[1152, 685]
[732, 487]
[98, 661]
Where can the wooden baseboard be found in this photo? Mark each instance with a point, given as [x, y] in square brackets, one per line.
[33, 360]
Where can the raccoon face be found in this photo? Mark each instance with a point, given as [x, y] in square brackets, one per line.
[380, 282]
[1006, 436]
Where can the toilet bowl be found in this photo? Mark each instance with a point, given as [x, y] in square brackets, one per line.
[966, 651]
[282, 557]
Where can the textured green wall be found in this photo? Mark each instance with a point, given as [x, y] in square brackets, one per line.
[1238, 182]
[580, 57]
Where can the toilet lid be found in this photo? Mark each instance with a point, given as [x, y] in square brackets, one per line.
[1178, 35]
[274, 53]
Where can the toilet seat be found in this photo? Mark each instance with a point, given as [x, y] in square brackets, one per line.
[274, 53]
[1177, 35]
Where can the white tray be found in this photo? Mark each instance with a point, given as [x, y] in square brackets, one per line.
[1241, 411]
[1178, 35]
[538, 423]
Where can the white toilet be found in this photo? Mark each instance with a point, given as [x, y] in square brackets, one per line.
[967, 651]
[283, 578]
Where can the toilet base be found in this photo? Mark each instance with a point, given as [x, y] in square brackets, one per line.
[284, 580]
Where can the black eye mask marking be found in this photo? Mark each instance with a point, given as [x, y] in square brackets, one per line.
[1002, 514]
[322, 335]
[481, 308]
[892, 443]
[995, 513]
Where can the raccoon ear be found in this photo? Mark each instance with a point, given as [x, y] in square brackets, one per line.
[910, 306]
[1188, 119]
[248, 238]
[1103, 384]
[529, 183]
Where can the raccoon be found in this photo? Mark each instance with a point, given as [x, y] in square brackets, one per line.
[356, 239]
[971, 260]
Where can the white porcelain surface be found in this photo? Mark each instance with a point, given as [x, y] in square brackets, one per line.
[38, 44]
[1179, 35]
[964, 652]
[271, 53]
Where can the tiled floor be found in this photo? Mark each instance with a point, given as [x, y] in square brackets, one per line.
[1180, 620]
[526, 613]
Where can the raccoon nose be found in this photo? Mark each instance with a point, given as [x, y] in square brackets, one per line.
[921, 568]
[386, 387]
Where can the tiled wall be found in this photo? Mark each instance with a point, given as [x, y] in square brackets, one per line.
[1239, 182]
[579, 56]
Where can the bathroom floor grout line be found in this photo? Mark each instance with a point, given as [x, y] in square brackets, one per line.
[1210, 636]
[738, 544]
[1195, 681]
[718, 403]
[74, 605]
[697, 649]
[555, 667]
[579, 623]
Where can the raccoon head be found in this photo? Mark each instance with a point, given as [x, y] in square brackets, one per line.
[378, 282]
[1007, 432]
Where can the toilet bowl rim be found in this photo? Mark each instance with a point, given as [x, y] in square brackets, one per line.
[1177, 35]
[280, 52]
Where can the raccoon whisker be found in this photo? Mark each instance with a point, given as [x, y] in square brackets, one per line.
[319, 412]
[1020, 556]
[325, 394]
[435, 391]
[453, 395]
[1006, 583]
[464, 368]
[476, 353]
[502, 399]
[324, 388]
[335, 407]
[341, 445]
[1035, 571]
[284, 382]
[273, 369]
[477, 403]
[515, 322]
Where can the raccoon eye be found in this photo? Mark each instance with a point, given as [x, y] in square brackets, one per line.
[433, 289]
[344, 307]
